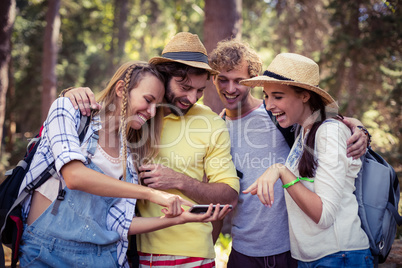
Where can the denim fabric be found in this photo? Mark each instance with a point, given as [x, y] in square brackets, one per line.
[353, 258]
[81, 218]
[41, 250]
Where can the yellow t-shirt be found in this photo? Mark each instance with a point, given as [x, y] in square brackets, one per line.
[192, 144]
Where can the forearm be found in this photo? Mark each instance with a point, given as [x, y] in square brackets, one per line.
[141, 225]
[206, 193]
[79, 177]
[309, 202]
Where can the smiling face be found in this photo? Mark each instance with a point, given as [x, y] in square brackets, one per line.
[288, 106]
[182, 94]
[235, 97]
[142, 100]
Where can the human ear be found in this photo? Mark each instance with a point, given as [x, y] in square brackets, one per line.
[214, 79]
[305, 96]
[119, 88]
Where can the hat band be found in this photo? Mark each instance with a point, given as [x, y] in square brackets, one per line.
[278, 76]
[187, 56]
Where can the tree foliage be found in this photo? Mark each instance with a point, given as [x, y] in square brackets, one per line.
[357, 44]
[363, 59]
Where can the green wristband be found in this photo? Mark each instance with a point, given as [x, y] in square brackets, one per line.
[306, 179]
[287, 185]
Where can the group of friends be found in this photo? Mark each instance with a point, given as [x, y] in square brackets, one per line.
[151, 152]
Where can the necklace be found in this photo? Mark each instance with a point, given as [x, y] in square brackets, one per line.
[114, 160]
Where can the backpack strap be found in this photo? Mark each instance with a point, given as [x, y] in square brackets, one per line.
[83, 128]
[394, 211]
[60, 195]
[92, 143]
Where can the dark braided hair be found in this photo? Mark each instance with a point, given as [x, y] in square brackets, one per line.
[308, 164]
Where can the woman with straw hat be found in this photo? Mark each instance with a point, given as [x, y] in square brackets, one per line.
[92, 223]
[324, 226]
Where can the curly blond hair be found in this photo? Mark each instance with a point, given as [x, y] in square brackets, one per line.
[230, 53]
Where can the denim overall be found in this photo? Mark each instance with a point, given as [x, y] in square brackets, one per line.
[77, 235]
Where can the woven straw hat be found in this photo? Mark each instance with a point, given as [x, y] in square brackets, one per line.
[293, 70]
[185, 48]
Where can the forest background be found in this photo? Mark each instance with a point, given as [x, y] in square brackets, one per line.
[49, 45]
[56, 44]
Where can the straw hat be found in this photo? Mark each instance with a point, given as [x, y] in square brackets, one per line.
[185, 48]
[293, 70]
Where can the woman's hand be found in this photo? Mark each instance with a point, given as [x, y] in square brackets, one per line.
[171, 203]
[264, 185]
[141, 225]
[216, 215]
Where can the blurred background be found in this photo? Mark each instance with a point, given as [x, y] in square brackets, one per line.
[46, 46]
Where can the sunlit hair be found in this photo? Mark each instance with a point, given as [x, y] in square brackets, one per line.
[229, 54]
[143, 142]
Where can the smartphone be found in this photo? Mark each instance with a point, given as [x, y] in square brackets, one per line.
[198, 209]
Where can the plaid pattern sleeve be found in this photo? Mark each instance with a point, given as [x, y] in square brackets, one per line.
[61, 129]
[60, 139]
[121, 215]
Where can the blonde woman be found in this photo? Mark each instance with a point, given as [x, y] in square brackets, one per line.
[93, 221]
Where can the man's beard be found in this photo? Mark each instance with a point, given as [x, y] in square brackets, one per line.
[171, 99]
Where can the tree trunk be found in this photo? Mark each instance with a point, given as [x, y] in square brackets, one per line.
[354, 55]
[123, 31]
[119, 35]
[7, 17]
[219, 26]
[10, 125]
[50, 49]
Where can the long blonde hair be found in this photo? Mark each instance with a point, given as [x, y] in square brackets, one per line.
[131, 73]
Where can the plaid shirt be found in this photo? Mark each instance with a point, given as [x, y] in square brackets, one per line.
[60, 139]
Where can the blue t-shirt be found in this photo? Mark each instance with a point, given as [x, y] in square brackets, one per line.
[256, 144]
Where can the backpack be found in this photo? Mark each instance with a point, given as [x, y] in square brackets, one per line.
[377, 193]
[10, 202]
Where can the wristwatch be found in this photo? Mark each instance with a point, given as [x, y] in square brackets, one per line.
[365, 131]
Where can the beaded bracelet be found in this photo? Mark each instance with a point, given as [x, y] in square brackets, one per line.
[287, 185]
